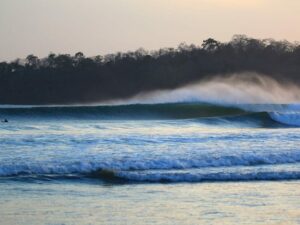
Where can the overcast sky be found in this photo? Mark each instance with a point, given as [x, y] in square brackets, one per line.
[107, 26]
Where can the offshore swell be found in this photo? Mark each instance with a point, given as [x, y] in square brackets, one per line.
[183, 110]
[178, 142]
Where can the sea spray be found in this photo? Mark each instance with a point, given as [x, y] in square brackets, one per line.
[234, 89]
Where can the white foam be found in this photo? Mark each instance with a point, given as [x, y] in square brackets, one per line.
[138, 164]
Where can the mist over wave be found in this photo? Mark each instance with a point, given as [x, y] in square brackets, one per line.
[248, 91]
[234, 89]
[237, 89]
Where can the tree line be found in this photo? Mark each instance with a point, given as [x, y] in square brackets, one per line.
[66, 79]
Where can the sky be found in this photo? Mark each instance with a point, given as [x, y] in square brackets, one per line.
[98, 27]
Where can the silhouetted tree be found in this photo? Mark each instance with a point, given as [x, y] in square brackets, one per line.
[63, 79]
[210, 45]
[32, 61]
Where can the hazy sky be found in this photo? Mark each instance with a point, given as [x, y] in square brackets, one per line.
[106, 26]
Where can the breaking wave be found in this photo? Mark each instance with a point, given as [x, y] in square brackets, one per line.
[224, 96]
[261, 114]
[205, 168]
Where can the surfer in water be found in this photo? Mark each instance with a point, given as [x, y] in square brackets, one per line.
[4, 121]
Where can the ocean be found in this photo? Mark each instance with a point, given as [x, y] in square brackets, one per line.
[169, 163]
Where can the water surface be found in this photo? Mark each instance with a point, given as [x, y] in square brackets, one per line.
[145, 164]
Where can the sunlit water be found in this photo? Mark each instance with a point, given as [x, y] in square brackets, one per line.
[67, 202]
[83, 170]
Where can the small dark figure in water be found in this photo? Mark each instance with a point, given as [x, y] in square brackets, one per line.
[4, 121]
